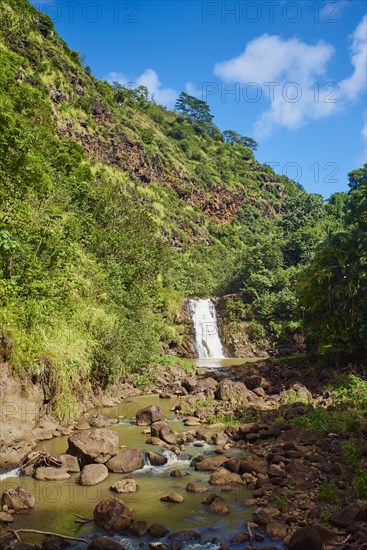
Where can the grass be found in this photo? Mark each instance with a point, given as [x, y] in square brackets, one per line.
[328, 492]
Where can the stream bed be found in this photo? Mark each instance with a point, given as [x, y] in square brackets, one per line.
[58, 502]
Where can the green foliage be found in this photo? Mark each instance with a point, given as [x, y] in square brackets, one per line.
[328, 492]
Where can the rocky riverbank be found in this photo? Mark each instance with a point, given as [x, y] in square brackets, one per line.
[297, 482]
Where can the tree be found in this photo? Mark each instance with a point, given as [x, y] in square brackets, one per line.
[196, 110]
[234, 138]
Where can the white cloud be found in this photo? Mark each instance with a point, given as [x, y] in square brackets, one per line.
[357, 82]
[272, 59]
[150, 79]
[191, 89]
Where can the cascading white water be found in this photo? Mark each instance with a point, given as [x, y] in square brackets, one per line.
[207, 341]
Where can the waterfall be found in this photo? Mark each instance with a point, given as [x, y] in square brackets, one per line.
[207, 341]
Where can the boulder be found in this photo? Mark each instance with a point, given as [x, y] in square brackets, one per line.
[6, 518]
[309, 537]
[101, 421]
[92, 474]
[149, 415]
[156, 459]
[218, 506]
[184, 535]
[228, 390]
[222, 476]
[70, 463]
[49, 473]
[172, 497]
[258, 466]
[113, 515]
[179, 473]
[93, 446]
[16, 442]
[208, 463]
[196, 487]
[263, 516]
[346, 516]
[276, 530]
[105, 543]
[18, 499]
[124, 486]
[126, 461]
[157, 530]
[138, 529]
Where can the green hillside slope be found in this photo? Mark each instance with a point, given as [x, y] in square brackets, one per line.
[114, 209]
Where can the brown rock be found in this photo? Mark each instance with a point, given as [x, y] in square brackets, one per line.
[208, 463]
[148, 415]
[257, 466]
[157, 530]
[346, 516]
[218, 506]
[92, 474]
[156, 459]
[124, 486]
[18, 499]
[6, 518]
[16, 442]
[179, 473]
[93, 446]
[70, 463]
[222, 476]
[105, 543]
[48, 473]
[172, 497]
[262, 516]
[196, 487]
[276, 530]
[185, 535]
[228, 390]
[310, 537]
[138, 528]
[126, 461]
[112, 515]
[275, 470]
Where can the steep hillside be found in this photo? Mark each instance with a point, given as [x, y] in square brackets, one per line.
[114, 210]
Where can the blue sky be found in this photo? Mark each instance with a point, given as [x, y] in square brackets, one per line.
[296, 70]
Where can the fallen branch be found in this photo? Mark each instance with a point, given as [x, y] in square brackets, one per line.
[46, 533]
[251, 537]
[82, 519]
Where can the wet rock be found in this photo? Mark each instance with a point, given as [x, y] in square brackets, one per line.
[101, 421]
[228, 390]
[18, 499]
[126, 461]
[70, 463]
[240, 538]
[218, 506]
[179, 473]
[276, 530]
[156, 459]
[219, 438]
[196, 487]
[113, 515]
[92, 474]
[48, 473]
[208, 463]
[222, 476]
[104, 543]
[158, 546]
[157, 530]
[148, 415]
[192, 421]
[138, 528]
[184, 535]
[93, 446]
[156, 441]
[6, 518]
[41, 434]
[124, 486]
[24, 546]
[346, 516]
[172, 497]
[233, 465]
